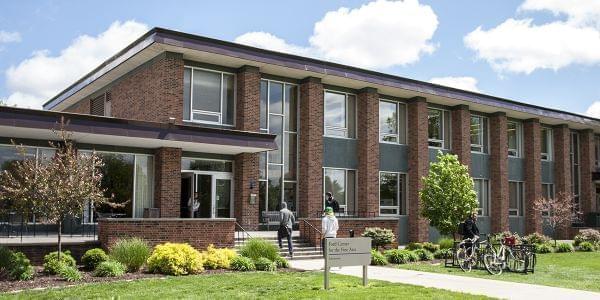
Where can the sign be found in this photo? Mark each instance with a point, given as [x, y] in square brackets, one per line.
[341, 252]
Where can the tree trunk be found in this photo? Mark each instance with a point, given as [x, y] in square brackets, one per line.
[59, 237]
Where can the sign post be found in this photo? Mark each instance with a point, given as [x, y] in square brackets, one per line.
[341, 252]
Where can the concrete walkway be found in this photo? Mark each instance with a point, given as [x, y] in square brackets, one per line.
[477, 286]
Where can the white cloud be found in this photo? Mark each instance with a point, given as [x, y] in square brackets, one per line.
[520, 46]
[379, 34]
[9, 37]
[594, 110]
[463, 83]
[43, 75]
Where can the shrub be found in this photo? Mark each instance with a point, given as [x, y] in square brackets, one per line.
[378, 259]
[52, 265]
[109, 268]
[587, 235]
[446, 243]
[400, 256]
[69, 273]
[175, 259]
[257, 248]
[543, 248]
[218, 258]
[564, 247]
[423, 254]
[586, 247]
[19, 267]
[282, 263]
[380, 237]
[93, 257]
[443, 254]
[536, 238]
[431, 247]
[131, 252]
[5, 257]
[265, 264]
[242, 263]
[414, 246]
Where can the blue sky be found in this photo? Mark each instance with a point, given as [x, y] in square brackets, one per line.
[536, 51]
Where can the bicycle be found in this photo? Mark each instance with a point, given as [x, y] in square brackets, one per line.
[506, 257]
[470, 251]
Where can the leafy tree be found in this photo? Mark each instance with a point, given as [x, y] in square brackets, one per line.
[57, 187]
[447, 195]
[558, 212]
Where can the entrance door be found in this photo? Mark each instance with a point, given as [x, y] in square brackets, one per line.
[212, 195]
[204, 196]
[223, 198]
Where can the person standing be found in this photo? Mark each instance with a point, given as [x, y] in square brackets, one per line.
[331, 202]
[329, 226]
[286, 223]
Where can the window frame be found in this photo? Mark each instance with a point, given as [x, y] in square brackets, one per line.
[211, 113]
[346, 115]
[484, 134]
[551, 194]
[517, 212]
[516, 153]
[344, 207]
[549, 143]
[446, 138]
[483, 211]
[399, 127]
[402, 201]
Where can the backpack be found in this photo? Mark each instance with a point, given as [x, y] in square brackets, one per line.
[461, 228]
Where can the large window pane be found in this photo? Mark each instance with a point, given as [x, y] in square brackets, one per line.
[335, 110]
[276, 127]
[388, 193]
[350, 193]
[476, 131]
[513, 138]
[388, 121]
[206, 165]
[144, 182]
[289, 195]
[10, 154]
[275, 98]
[291, 107]
[290, 156]
[207, 91]
[262, 197]
[228, 99]
[274, 187]
[263, 103]
[435, 128]
[118, 182]
[262, 165]
[401, 123]
[351, 111]
[481, 190]
[335, 183]
[187, 89]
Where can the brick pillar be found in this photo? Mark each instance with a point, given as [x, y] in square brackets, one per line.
[368, 152]
[562, 168]
[167, 182]
[588, 187]
[246, 164]
[533, 174]
[418, 166]
[461, 133]
[310, 145]
[498, 172]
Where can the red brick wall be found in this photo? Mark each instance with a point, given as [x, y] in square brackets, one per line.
[588, 187]
[197, 232]
[246, 172]
[356, 224]
[418, 165]
[533, 174]
[368, 151]
[167, 182]
[248, 99]
[498, 172]
[461, 134]
[36, 252]
[562, 167]
[310, 145]
[81, 107]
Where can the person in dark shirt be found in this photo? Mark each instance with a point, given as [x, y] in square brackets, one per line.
[471, 232]
[331, 202]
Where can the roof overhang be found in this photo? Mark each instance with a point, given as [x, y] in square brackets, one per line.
[36, 124]
[227, 54]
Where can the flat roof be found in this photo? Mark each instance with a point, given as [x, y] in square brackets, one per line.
[170, 40]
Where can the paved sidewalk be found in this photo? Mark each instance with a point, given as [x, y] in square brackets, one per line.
[477, 286]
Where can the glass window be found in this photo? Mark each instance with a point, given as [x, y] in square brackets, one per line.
[10, 154]
[575, 170]
[438, 128]
[482, 190]
[264, 96]
[209, 96]
[479, 134]
[342, 184]
[118, 179]
[276, 98]
[392, 122]
[339, 115]
[513, 138]
[515, 198]
[196, 164]
[392, 200]
[548, 193]
[144, 184]
[274, 188]
[546, 143]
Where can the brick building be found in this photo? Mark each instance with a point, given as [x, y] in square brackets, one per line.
[215, 133]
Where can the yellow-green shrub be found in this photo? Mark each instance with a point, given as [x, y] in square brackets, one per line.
[218, 258]
[175, 259]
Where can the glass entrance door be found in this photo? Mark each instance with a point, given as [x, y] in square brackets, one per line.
[203, 195]
[212, 196]
[223, 198]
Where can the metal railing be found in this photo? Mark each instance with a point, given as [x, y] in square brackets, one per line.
[13, 225]
[241, 234]
[349, 214]
[314, 235]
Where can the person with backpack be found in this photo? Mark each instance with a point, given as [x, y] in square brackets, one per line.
[286, 222]
[470, 232]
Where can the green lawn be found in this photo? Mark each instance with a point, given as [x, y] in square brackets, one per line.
[288, 285]
[579, 270]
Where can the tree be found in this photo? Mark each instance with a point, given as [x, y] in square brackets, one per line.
[57, 187]
[558, 212]
[448, 196]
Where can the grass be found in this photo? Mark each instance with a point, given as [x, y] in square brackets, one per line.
[288, 285]
[579, 270]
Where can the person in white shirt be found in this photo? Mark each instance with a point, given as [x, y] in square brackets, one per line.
[329, 226]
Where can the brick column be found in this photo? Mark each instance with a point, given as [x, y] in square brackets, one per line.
[310, 145]
[418, 166]
[588, 187]
[498, 172]
[461, 133]
[167, 182]
[368, 152]
[246, 164]
[562, 167]
[533, 174]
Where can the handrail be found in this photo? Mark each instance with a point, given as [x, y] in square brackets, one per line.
[314, 231]
[241, 234]
[349, 214]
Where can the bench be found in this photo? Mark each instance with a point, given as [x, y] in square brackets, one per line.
[272, 218]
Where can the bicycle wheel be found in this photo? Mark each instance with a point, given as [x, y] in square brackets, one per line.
[492, 264]
[517, 261]
[463, 259]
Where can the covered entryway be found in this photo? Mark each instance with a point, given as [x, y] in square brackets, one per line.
[206, 194]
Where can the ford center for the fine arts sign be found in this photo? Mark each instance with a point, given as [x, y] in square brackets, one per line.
[347, 252]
